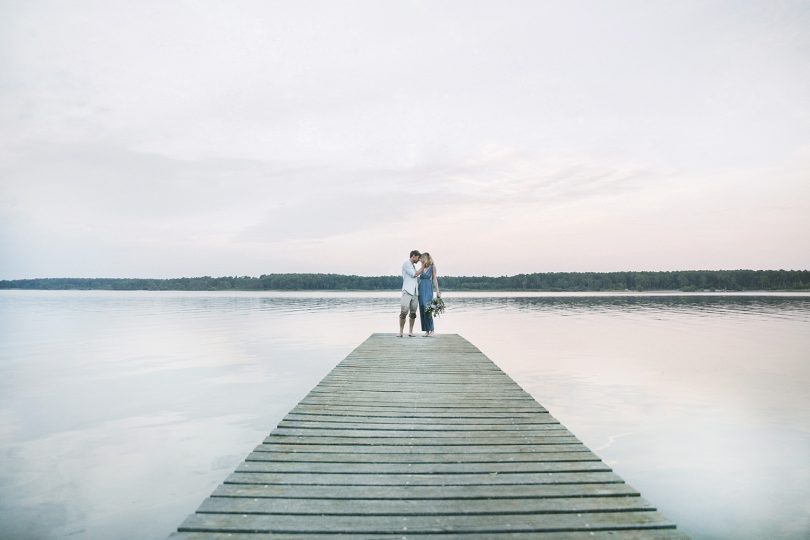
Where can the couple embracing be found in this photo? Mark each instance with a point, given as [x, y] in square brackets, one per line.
[417, 291]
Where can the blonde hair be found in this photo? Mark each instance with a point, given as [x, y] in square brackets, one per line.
[427, 260]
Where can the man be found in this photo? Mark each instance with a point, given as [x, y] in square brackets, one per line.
[410, 288]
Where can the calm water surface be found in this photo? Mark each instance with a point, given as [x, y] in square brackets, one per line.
[121, 411]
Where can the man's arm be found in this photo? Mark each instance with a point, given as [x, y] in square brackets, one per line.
[407, 268]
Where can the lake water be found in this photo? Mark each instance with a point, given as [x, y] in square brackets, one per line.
[121, 411]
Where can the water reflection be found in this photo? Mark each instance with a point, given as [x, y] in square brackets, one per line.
[699, 401]
[142, 303]
[779, 307]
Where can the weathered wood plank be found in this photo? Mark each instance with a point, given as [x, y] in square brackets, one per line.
[417, 380]
[423, 427]
[416, 401]
[448, 381]
[486, 492]
[561, 437]
[421, 388]
[649, 534]
[546, 430]
[443, 399]
[279, 455]
[474, 394]
[591, 521]
[543, 418]
[477, 451]
[421, 468]
[383, 372]
[350, 479]
[422, 412]
[469, 395]
[388, 507]
[418, 409]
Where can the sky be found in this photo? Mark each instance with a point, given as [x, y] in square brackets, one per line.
[188, 138]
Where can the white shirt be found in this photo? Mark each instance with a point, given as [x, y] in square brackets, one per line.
[409, 280]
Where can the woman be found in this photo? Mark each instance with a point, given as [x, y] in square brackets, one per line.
[428, 279]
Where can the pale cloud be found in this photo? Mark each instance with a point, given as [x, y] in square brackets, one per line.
[506, 175]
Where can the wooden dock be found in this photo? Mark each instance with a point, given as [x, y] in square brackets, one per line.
[422, 438]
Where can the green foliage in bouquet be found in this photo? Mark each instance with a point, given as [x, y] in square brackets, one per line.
[435, 308]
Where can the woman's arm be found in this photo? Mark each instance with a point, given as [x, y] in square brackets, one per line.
[411, 270]
[436, 281]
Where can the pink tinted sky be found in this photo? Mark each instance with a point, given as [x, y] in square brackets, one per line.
[157, 139]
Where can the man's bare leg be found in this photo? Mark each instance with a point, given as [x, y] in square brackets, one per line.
[410, 328]
[401, 326]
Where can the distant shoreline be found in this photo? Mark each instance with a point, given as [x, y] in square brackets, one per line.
[549, 282]
[493, 293]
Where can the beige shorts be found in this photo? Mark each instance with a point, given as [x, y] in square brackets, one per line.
[408, 302]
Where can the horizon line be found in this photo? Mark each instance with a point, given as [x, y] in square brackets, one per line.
[446, 276]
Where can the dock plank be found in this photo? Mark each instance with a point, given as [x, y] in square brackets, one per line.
[649, 534]
[411, 426]
[435, 458]
[487, 491]
[562, 437]
[425, 420]
[422, 507]
[435, 479]
[547, 430]
[520, 467]
[424, 524]
[474, 451]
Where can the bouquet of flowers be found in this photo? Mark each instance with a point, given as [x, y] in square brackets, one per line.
[435, 308]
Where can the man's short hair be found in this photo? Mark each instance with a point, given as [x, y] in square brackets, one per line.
[415, 253]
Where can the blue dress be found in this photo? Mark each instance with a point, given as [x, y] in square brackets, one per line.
[425, 298]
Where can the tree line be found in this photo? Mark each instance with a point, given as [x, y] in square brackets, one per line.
[686, 280]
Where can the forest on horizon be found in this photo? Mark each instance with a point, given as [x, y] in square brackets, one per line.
[686, 281]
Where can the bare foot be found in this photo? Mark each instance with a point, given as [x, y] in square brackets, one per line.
[411, 335]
